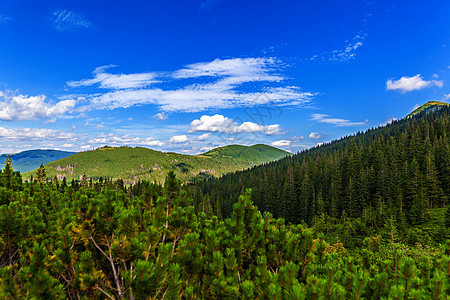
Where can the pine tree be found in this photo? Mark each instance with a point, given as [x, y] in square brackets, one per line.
[414, 196]
[55, 182]
[171, 185]
[40, 174]
[84, 183]
[8, 163]
[8, 172]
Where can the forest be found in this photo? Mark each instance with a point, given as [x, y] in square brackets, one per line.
[335, 222]
[392, 177]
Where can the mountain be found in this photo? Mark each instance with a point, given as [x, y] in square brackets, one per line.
[429, 106]
[399, 171]
[132, 164]
[259, 152]
[29, 160]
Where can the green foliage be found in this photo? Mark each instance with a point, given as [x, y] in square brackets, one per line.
[358, 213]
[41, 176]
[389, 181]
[146, 241]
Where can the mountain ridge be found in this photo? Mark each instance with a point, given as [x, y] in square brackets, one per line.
[137, 163]
[31, 159]
[429, 106]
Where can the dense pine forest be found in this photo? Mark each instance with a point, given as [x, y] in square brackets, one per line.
[397, 176]
[340, 221]
[146, 241]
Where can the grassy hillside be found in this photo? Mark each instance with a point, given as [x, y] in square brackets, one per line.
[132, 164]
[429, 106]
[29, 160]
[250, 154]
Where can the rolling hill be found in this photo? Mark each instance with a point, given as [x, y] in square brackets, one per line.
[132, 164]
[29, 160]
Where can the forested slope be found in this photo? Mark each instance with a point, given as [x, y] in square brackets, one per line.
[400, 171]
[132, 164]
[149, 242]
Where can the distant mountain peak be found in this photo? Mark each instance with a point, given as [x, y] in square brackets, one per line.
[429, 106]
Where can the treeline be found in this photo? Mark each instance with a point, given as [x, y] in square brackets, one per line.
[149, 242]
[399, 171]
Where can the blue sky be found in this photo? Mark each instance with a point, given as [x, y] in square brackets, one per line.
[187, 76]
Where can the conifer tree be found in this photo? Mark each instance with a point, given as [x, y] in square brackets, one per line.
[8, 163]
[84, 182]
[41, 175]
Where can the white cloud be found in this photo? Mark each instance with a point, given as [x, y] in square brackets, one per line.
[319, 144]
[219, 123]
[335, 121]
[296, 139]
[25, 134]
[218, 86]
[349, 52]
[116, 81]
[66, 20]
[84, 147]
[389, 121]
[23, 107]
[112, 139]
[281, 143]
[206, 149]
[446, 96]
[160, 116]
[236, 70]
[177, 139]
[151, 142]
[67, 145]
[315, 135]
[196, 98]
[203, 136]
[342, 55]
[407, 84]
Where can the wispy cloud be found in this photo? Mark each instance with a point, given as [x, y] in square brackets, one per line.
[27, 134]
[322, 118]
[160, 116]
[16, 107]
[209, 5]
[204, 136]
[222, 124]
[220, 85]
[414, 83]
[236, 70]
[281, 143]
[347, 53]
[112, 139]
[116, 81]
[66, 20]
[4, 19]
